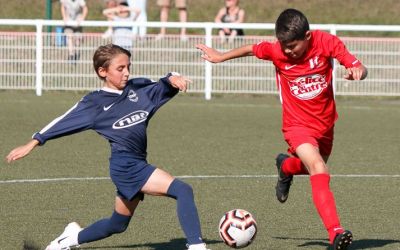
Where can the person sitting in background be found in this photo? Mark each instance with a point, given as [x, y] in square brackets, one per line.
[73, 10]
[231, 13]
[122, 35]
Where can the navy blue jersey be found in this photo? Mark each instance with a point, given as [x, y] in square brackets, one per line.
[119, 116]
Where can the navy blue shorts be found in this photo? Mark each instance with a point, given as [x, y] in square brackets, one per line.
[129, 174]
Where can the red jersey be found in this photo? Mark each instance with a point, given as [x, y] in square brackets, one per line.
[305, 84]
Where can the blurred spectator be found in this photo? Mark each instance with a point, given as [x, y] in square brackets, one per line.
[76, 11]
[109, 4]
[164, 12]
[231, 13]
[122, 35]
[142, 5]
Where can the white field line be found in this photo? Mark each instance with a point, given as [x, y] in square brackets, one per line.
[194, 177]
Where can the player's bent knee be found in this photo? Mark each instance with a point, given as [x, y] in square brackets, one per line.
[186, 189]
[179, 189]
[118, 228]
[118, 223]
[318, 167]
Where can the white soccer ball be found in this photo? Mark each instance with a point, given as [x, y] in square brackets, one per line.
[237, 228]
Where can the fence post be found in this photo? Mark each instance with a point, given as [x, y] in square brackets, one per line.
[39, 57]
[208, 67]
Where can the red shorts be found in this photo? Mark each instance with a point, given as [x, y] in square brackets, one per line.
[295, 136]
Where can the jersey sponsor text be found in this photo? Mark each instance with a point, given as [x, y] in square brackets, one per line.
[131, 119]
[308, 87]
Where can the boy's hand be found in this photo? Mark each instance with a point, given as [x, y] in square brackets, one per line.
[210, 54]
[21, 151]
[179, 82]
[356, 73]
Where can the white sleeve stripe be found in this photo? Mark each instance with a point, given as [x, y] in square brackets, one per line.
[279, 87]
[51, 124]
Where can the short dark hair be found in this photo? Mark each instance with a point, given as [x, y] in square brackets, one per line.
[104, 54]
[291, 25]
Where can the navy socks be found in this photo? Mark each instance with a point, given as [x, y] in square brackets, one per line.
[186, 210]
[101, 229]
[118, 223]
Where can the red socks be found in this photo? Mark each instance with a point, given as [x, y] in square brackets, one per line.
[325, 204]
[293, 166]
[322, 196]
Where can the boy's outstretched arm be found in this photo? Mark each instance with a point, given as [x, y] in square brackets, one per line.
[356, 73]
[22, 151]
[179, 82]
[214, 56]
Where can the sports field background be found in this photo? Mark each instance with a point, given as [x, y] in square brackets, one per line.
[265, 11]
[225, 149]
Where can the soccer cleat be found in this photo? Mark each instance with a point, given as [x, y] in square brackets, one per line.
[284, 182]
[68, 239]
[342, 240]
[201, 246]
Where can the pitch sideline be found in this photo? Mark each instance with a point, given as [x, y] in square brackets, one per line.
[192, 177]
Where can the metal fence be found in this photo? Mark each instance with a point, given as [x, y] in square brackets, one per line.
[39, 60]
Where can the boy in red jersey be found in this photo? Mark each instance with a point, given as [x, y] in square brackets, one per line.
[303, 62]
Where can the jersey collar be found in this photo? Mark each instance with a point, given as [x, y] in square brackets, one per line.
[110, 90]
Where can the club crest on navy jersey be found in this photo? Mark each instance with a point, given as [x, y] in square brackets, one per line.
[132, 96]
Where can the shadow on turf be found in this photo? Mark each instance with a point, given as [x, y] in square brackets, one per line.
[30, 245]
[171, 245]
[357, 244]
[371, 243]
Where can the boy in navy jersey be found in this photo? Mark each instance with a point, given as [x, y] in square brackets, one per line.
[120, 112]
[303, 63]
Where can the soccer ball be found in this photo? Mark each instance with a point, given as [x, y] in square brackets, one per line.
[237, 228]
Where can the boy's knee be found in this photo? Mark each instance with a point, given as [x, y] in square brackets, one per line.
[179, 188]
[318, 167]
[118, 228]
[187, 189]
[118, 223]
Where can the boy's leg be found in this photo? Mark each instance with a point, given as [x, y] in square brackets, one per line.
[295, 137]
[284, 180]
[162, 183]
[322, 196]
[293, 166]
[74, 235]
[117, 223]
[287, 167]
[186, 210]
